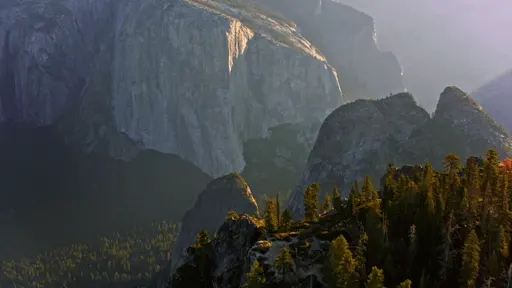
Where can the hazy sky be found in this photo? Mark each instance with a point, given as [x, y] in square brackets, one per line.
[444, 42]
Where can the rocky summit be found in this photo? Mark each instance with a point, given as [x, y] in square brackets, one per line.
[222, 195]
[360, 139]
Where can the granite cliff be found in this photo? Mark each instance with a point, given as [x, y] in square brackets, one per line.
[496, 98]
[347, 38]
[189, 78]
[102, 99]
[362, 137]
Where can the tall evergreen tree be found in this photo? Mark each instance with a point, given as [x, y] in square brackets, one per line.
[270, 216]
[336, 200]
[278, 210]
[470, 260]
[283, 262]
[311, 202]
[286, 221]
[340, 264]
[326, 207]
[375, 279]
[360, 260]
[406, 284]
[255, 278]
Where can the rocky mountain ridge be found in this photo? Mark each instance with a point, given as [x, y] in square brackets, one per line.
[360, 139]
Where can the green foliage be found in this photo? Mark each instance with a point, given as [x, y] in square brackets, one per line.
[270, 216]
[360, 260]
[340, 264]
[327, 204]
[439, 229]
[375, 279]
[232, 215]
[311, 202]
[283, 261]
[406, 284]
[470, 260]
[126, 259]
[255, 278]
[286, 221]
[336, 200]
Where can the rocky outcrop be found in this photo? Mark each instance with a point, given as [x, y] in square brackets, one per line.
[362, 137]
[347, 38]
[229, 250]
[240, 241]
[222, 195]
[495, 97]
[189, 78]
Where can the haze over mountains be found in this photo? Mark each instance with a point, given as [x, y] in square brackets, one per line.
[440, 43]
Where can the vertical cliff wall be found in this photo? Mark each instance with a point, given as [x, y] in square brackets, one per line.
[193, 79]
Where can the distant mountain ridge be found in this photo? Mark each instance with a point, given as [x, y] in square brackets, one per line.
[496, 98]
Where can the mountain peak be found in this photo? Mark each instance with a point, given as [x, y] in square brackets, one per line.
[222, 195]
[453, 97]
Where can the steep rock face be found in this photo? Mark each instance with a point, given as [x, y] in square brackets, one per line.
[222, 195]
[185, 78]
[357, 138]
[362, 137]
[347, 38]
[496, 98]
[235, 237]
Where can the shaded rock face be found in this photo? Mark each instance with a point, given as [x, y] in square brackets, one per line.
[222, 195]
[496, 98]
[362, 137]
[347, 38]
[240, 242]
[229, 250]
[179, 78]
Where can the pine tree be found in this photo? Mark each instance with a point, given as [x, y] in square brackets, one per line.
[340, 264]
[286, 221]
[406, 284]
[369, 194]
[361, 257]
[336, 200]
[255, 278]
[283, 261]
[355, 199]
[326, 207]
[375, 279]
[278, 210]
[270, 216]
[470, 260]
[311, 202]
[389, 193]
